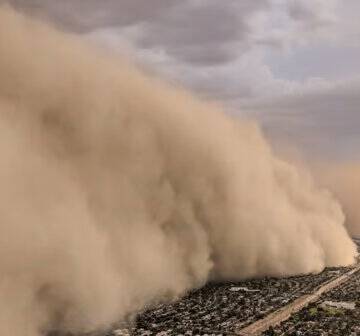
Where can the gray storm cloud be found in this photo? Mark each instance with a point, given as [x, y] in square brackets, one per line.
[119, 191]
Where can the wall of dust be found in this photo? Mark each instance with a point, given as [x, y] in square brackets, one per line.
[119, 190]
[343, 180]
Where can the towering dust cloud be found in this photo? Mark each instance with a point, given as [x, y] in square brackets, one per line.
[343, 179]
[117, 190]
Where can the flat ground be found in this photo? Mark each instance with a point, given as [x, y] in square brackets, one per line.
[335, 313]
[226, 308]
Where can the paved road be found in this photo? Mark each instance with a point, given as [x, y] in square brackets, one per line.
[336, 312]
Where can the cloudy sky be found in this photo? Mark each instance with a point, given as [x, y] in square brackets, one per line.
[292, 64]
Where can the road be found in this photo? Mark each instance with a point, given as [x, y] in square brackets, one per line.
[267, 306]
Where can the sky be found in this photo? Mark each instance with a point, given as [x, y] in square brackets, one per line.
[294, 65]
